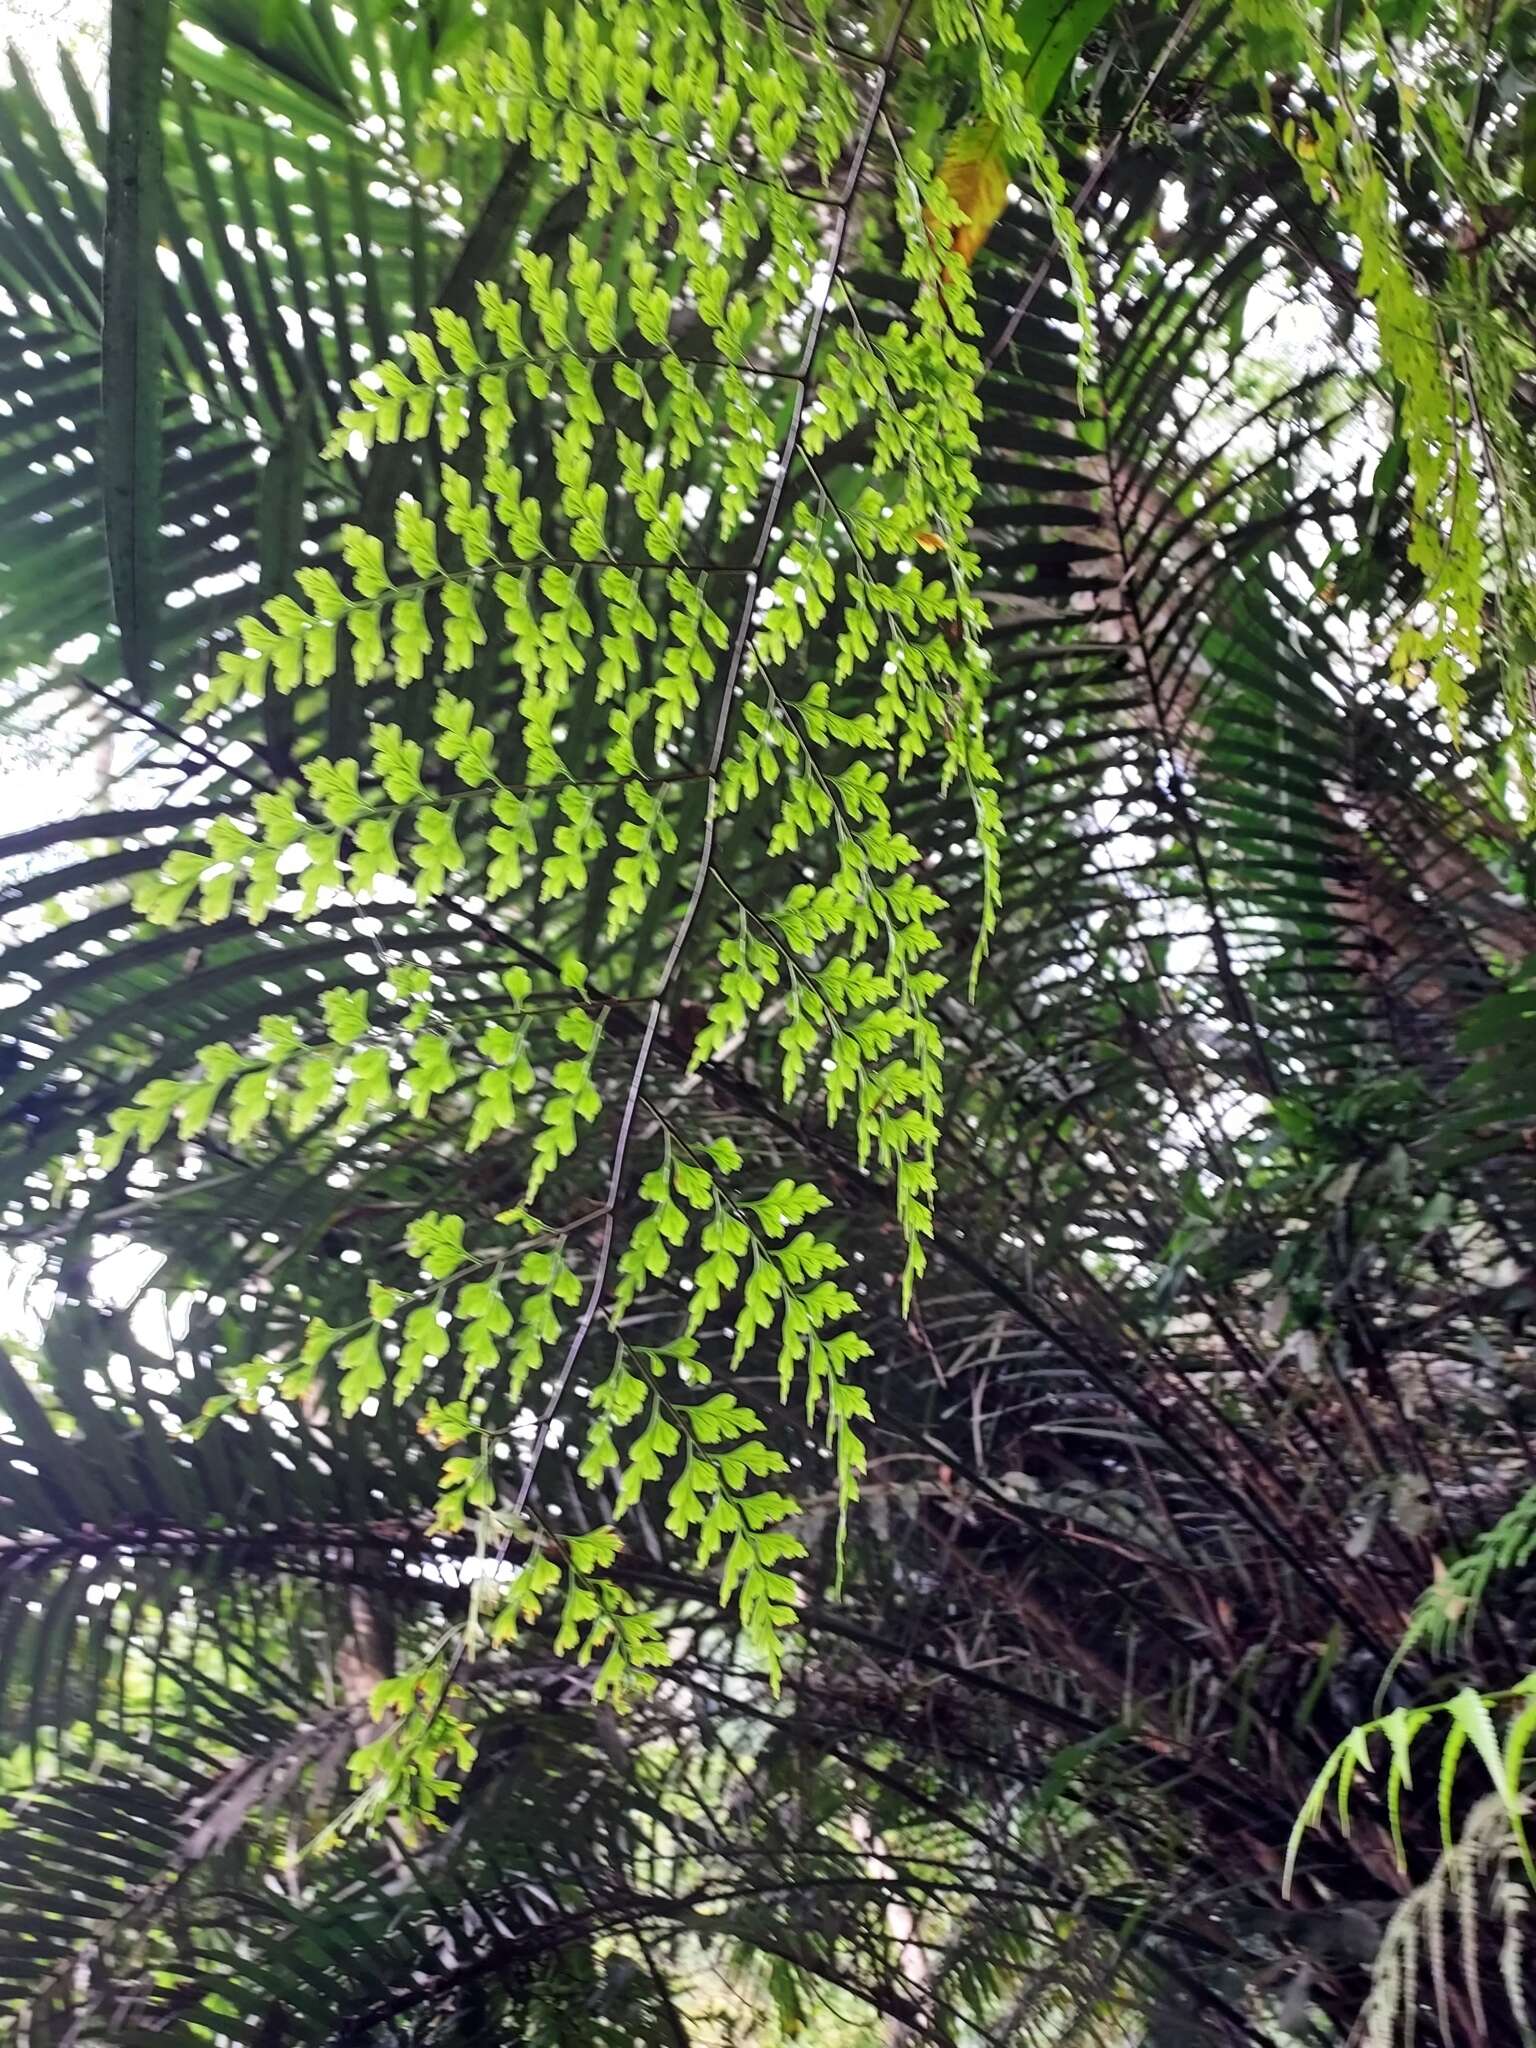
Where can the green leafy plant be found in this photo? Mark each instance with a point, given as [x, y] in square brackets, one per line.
[1469, 1717]
[615, 100]
[1073, 937]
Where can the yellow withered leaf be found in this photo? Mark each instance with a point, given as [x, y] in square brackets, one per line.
[976, 178]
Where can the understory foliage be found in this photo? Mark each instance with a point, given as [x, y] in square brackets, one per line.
[767, 1122]
[609, 772]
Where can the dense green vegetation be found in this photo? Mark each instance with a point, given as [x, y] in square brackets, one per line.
[767, 1129]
